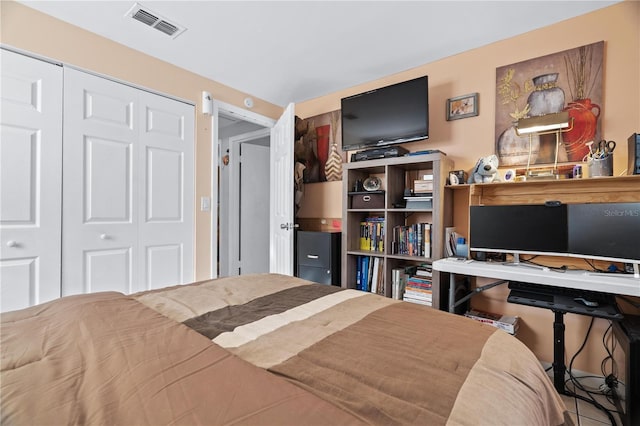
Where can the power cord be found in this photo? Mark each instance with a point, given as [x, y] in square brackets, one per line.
[590, 392]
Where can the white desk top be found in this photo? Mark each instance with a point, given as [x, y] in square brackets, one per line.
[584, 280]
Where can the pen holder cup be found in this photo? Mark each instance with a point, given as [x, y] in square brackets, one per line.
[599, 167]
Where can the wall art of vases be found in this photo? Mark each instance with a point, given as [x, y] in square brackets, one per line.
[585, 119]
[546, 97]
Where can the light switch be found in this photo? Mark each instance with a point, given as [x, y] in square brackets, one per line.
[205, 204]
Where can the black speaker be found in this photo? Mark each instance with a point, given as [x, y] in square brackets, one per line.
[634, 154]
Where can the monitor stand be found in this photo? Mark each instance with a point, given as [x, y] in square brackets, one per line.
[516, 262]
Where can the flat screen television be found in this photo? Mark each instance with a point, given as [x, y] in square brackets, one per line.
[386, 116]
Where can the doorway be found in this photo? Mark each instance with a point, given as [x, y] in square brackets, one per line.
[243, 191]
[249, 179]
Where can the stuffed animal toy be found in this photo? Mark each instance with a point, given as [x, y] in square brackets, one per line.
[485, 171]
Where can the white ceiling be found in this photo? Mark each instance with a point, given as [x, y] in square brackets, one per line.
[292, 51]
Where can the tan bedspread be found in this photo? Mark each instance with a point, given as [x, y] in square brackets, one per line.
[384, 361]
[106, 359]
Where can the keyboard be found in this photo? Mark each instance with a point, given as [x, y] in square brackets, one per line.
[562, 299]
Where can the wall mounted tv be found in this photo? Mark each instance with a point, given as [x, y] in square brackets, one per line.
[387, 116]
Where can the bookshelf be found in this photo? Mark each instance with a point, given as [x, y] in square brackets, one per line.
[395, 175]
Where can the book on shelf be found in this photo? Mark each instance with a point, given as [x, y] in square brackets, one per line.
[424, 271]
[412, 240]
[417, 289]
[381, 287]
[365, 273]
[374, 275]
[417, 301]
[419, 281]
[450, 241]
[412, 285]
[372, 234]
[418, 295]
[507, 323]
[370, 274]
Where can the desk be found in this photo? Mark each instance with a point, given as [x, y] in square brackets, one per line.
[583, 280]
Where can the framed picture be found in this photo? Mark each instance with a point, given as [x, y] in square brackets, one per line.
[462, 106]
[570, 80]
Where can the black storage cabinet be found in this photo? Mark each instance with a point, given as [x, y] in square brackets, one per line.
[318, 256]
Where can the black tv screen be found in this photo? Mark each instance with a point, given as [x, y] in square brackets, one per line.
[390, 115]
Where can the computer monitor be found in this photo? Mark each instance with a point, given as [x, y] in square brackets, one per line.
[604, 231]
[534, 229]
[608, 231]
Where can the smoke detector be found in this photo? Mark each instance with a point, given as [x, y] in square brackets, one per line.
[154, 20]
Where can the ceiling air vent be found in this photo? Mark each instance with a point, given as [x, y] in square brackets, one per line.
[154, 20]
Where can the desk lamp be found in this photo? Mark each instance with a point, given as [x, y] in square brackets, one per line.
[544, 125]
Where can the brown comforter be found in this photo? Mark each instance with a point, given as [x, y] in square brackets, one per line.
[384, 361]
[284, 351]
[106, 359]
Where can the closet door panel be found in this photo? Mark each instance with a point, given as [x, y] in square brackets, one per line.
[128, 185]
[30, 180]
[108, 270]
[167, 201]
[100, 219]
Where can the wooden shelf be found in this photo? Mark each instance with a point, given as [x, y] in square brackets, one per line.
[396, 174]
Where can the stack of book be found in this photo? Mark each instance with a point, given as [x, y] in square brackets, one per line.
[418, 287]
[372, 234]
[504, 322]
[369, 274]
[412, 240]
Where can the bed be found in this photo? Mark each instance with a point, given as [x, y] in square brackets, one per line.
[264, 349]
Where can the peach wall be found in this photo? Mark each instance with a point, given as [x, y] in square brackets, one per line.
[32, 31]
[466, 140]
[475, 71]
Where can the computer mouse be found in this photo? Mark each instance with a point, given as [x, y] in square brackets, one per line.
[586, 302]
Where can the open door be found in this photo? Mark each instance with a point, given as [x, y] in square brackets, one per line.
[281, 191]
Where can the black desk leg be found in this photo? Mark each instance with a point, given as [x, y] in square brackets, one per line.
[559, 367]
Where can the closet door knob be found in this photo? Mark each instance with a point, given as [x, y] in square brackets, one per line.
[12, 243]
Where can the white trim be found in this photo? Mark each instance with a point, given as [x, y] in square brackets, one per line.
[215, 193]
[29, 54]
[244, 114]
[97, 74]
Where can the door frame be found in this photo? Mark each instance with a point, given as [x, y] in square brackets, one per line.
[245, 115]
[234, 186]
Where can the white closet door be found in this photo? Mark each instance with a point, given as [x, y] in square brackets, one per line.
[166, 191]
[100, 216]
[128, 188]
[30, 181]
